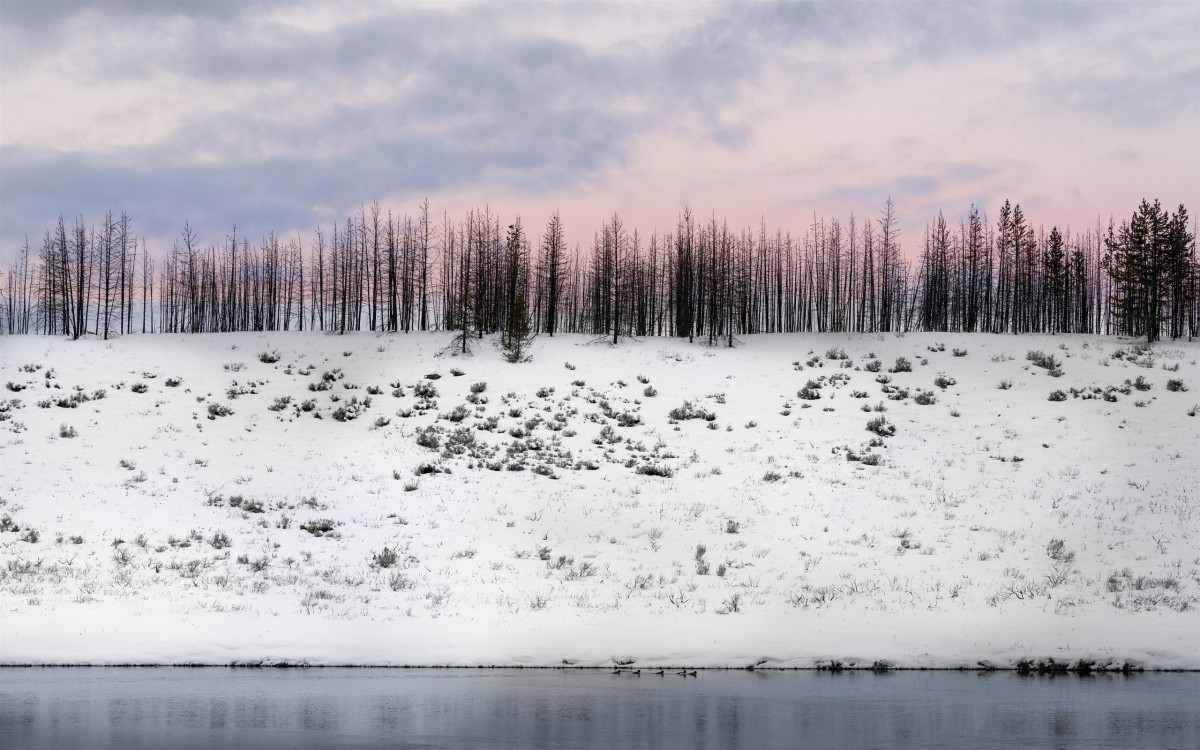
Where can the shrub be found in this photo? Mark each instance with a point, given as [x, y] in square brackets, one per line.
[960, 352]
[428, 438]
[425, 390]
[835, 354]
[772, 476]
[400, 582]
[280, 404]
[479, 387]
[318, 526]
[1141, 383]
[731, 527]
[1043, 360]
[873, 366]
[457, 414]
[881, 427]
[1176, 386]
[173, 382]
[385, 559]
[655, 470]
[925, 398]
[943, 382]
[433, 376]
[269, 358]
[650, 391]
[218, 410]
[1005, 384]
[220, 540]
[456, 372]
[902, 365]
[690, 411]
[1057, 396]
[66, 431]
[811, 391]
[1056, 549]
[352, 410]
[139, 387]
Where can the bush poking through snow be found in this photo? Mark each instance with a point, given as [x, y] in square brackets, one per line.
[1045, 361]
[352, 410]
[387, 558]
[943, 382]
[655, 470]
[218, 410]
[732, 526]
[881, 427]
[318, 526]
[269, 358]
[689, 410]
[66, 431]
[902, 365]
[925, 398]
[1057, 396]
[1056, 549]
[428, 437]
[424, 390]
[1176, 386]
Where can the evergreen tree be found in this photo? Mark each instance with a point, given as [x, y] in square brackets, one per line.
[518, 329]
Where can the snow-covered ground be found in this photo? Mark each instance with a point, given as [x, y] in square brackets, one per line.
[565, 516]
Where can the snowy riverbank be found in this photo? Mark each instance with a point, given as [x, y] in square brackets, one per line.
[554, 512]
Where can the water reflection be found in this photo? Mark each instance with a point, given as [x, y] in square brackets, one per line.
[224, 708]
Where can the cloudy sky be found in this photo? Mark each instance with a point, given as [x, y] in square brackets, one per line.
[286, 116]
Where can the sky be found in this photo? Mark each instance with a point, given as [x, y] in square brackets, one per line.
[283, 117]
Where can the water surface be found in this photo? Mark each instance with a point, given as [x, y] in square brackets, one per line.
[427, 708]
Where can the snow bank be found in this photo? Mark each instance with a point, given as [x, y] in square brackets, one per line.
[297, 497]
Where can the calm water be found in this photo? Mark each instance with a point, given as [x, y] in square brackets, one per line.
[368, 708]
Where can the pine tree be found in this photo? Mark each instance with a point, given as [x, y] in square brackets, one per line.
[1054, 263]
[517, 334]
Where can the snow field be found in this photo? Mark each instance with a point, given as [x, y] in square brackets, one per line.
[658, 501]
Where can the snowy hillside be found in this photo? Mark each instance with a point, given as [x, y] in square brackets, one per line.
[373, 499]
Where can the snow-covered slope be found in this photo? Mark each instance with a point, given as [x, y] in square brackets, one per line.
[188, 505]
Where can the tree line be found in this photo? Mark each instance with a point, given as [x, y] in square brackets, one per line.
[702, 279]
